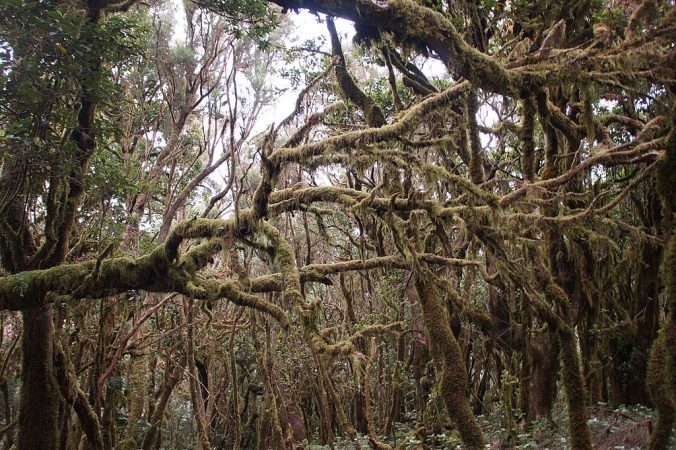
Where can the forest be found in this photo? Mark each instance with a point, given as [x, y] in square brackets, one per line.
[460, 233]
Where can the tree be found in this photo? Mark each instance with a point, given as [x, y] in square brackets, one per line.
[521, 207]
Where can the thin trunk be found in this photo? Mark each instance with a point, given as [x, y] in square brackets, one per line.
[171, 380]
[576, 395]
[4, 387]
[72, 394]
[194, 380]
[232, 373]
[264, 359]
[325, 423]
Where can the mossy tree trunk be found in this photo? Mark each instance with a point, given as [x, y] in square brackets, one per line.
[662, 366]
[448, 357]
[571, 369]
[540, 383]
[576, 393]
[659, 391]
[39, 404]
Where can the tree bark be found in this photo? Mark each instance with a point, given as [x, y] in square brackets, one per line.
[544, 360]
[173, 376]
[447, 355]
[39, 404]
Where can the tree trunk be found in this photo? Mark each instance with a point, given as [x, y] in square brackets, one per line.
[662, 365]
[65, 375]
[447, 355]
[39, 405]
[659, 439]
[576, 396]
[630, 350]
[541, 385]
[172, 376]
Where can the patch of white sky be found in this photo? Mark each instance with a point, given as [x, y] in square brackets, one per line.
[305, 26]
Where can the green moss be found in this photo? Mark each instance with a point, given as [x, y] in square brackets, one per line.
[476, 169]
[285, 259]
[573, 380]
[349, 90]
[527, 130]
[661, 377]
[658, 388]
[576, 393]
[355, 139]
[448, 356]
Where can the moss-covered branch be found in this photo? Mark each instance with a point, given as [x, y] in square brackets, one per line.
[621, 154]
[391, 132]
[162, 270]
[348, 88]
[347, 345]
[411, 20]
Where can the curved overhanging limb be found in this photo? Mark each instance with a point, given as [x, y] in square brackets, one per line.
[348, 88]
[162, 270]
[410, 19]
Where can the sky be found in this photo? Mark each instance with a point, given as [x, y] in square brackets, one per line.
[306, 27]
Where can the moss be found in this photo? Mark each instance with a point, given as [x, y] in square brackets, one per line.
[573, 380]
[200, 255]
[448, 356]
[658, 388]
[285, 259]
[73, 395]
[462, 182]
[476, 168]
[349, 90]
[576, 393]
[348, 346]
[160, 271]
[527, 130]
[550, 169]
[391, 132]
[661, 378]
[416, 21]
[231, 290]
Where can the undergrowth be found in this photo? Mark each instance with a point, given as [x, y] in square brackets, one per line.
[623, 428]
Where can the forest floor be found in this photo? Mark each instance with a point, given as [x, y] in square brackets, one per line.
[624, 428]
